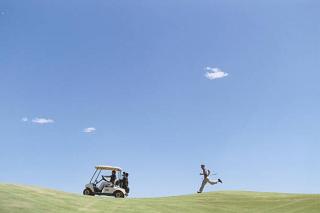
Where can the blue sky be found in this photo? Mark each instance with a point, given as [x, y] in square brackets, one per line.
[135, 71]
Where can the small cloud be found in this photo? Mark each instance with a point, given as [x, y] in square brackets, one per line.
[89, 130]
[42, 120]
[215, 73]
[24, 119]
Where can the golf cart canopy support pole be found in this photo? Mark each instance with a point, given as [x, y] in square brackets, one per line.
[93, 175]
[98, 176]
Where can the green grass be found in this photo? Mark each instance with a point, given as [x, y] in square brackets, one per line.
[16, 198]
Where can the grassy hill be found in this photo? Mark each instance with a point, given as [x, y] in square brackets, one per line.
[15, 198]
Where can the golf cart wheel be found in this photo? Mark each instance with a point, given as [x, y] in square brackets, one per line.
[87, 192]
[118, 194]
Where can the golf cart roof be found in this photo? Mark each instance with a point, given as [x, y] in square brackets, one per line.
[104, 167]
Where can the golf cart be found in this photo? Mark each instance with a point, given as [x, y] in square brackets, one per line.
[117, 190]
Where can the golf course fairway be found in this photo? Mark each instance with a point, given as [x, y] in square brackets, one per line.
[18, 198]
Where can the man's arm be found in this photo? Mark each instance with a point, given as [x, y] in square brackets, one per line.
[203, 172]
[105, 176]
[209, 172]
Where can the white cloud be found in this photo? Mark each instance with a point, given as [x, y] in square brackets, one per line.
[89, 130]
[215, 73]
[24, 119]
[42, 120]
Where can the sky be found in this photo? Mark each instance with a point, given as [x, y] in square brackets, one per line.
[158, 88]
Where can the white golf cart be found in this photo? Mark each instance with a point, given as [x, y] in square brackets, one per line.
[116, 190]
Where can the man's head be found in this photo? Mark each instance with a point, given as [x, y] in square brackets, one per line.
[113, 172]
[202, 166]
[127, 174]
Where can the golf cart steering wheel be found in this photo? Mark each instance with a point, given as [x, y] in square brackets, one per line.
[103, 178]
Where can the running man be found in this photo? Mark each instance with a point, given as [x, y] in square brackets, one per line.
[206, 180]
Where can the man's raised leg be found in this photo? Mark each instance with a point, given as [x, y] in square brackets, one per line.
[212, 182]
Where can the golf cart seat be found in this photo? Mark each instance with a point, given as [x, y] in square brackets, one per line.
[109, 184]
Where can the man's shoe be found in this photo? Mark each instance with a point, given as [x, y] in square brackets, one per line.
[219, 180]
[198, 192]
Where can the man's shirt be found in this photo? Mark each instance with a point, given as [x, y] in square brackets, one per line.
[113, 178]
[205, 173]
